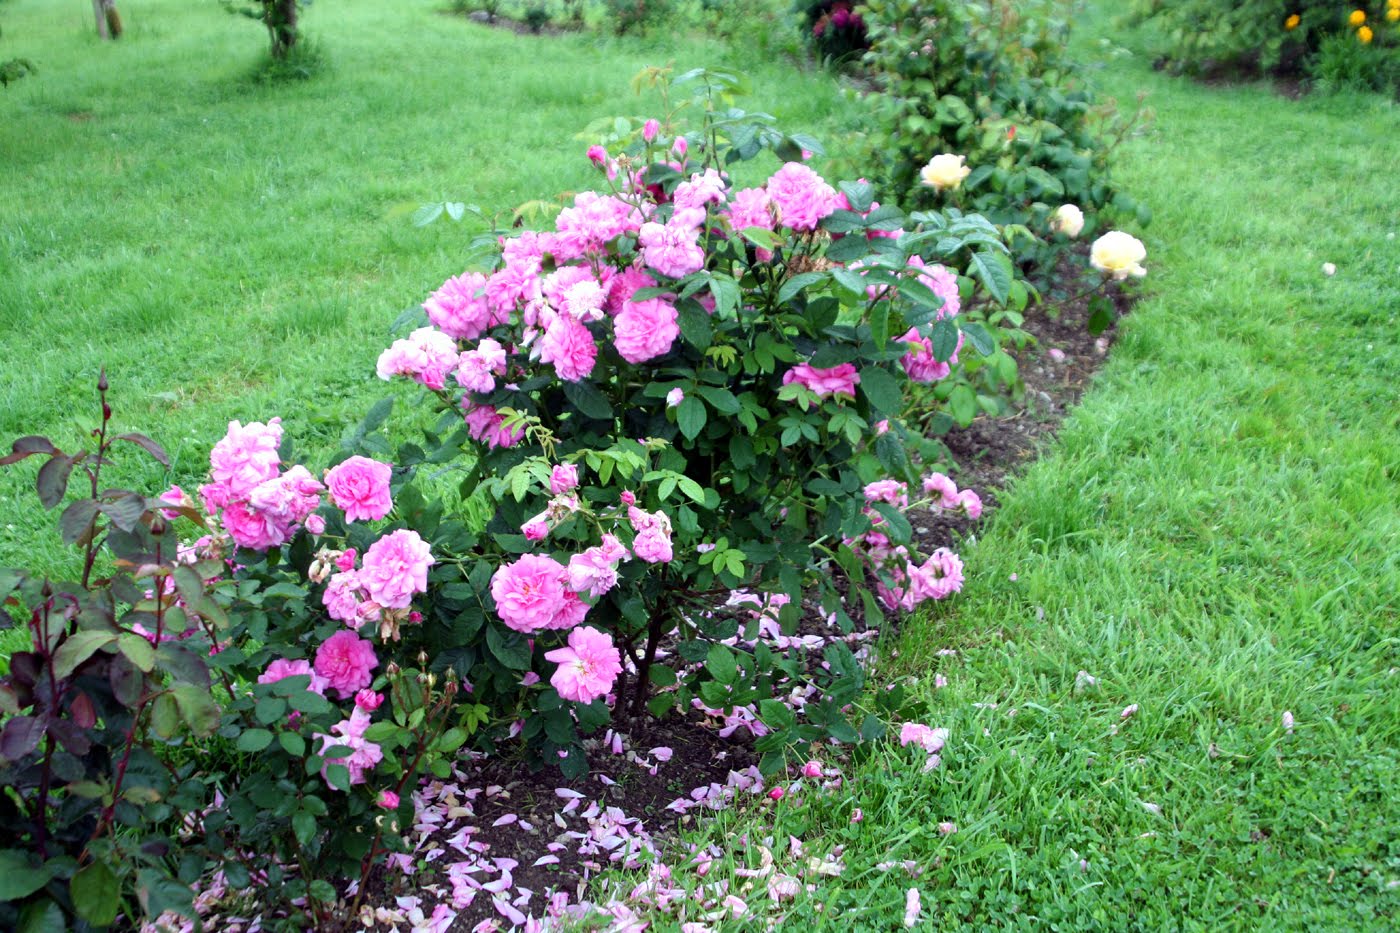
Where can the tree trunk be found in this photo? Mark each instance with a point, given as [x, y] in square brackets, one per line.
[114, 19]
[99, 12]
[282, 25]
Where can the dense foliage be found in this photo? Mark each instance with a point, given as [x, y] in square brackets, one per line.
[989, 81]
[1333, 42]
[681, 403]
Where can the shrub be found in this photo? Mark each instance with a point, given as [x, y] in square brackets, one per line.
[833, 29]
[279, 17]
[1338, 43]
[989, 82]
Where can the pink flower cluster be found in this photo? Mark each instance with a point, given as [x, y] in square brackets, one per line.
[393, 570]
[260, 506]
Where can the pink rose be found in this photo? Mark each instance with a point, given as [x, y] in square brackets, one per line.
[587, 667]
[838, 380]
[368, 700]
[644, 330]
[802, 197]
[345, 660]
[570, 347]
[360, 487]
[282, 669]
[387, 800]
[649, 130]
[395, 568]
[529, 593]
[563, 478]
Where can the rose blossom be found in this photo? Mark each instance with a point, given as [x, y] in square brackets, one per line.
[345, 660]
[395, 568]
[427, 355]
[359, 486]
[937, 484]
[387, 799]
[246, 456]
[570, 347]
[282, 669]
[945, 171]
[1067, 219]
[460, 309]
[838, 380]
[802, 196]
[587, 667]
[674, 398]
[1119, 254]
[672, 249]
[364, 755]
[342, 598]
[563, 478]
[530, 594]
[644, 330]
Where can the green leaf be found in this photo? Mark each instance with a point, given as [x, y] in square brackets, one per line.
[721, 400]
[882, 389]
[695, 324]
[587, 399]
[690, 417]
[292, 744]
[798, 282]
[96, 894]
[77, 648]
[138, 651]
[21, 874]
[165, 716]
[896, 525]
[994, 269]
[253, 740]
[944, 339]
[871, 728]
[859, 194]
[721, 664]
[726, 292]
[198, 708]
[43, 916]
[962, 403]
[304, 826]
[979, 338]
[509, 647]
[777, 715]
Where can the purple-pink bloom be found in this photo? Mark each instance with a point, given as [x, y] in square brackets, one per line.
[359, 487]
[530, 594]
[942, 487]
[570, 347]
[644, 330]
[345, 660]
[838, 380]
[282, 669]
[802, 197]
[674, 398]
[487, 425]
[587, 667]
[649, 130]
[460, 307]
[563, 478]
[971, 503]
[478, 368]
[387, 800]
[395, 568]
[672, 249]
[342, 598]
[426, 356]
[246, 456]
[919, 362]
[350, 733]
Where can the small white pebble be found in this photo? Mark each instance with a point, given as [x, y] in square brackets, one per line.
[1329, 269]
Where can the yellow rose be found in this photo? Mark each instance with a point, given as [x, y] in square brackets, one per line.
[1068, 220]
[1365, 35]
[945, 171]
[1292, 22]
[1357, 17]
[1393, 13]
[1118, 254]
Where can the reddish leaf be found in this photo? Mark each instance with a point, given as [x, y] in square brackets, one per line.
[76, 523]
[52, 482]
[28, 447]
[148, 445]
[70, 736]
[83, 712]
[20, 736]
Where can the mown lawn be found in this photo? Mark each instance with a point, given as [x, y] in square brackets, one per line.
[230, 249]
[1214, 537]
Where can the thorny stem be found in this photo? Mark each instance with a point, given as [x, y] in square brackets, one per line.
[95, 472]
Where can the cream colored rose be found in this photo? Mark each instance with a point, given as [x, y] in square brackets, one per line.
[945, 171]
[1068, 220]
[1118, 254]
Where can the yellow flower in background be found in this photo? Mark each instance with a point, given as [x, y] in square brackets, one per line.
[1393, 13]
[1393, 4]
[1357, 17]
[944, 170]
[1119, 254]
[1292, 22]
[1365, 35]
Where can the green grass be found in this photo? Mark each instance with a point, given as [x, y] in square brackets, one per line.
[230, 248]
[1215, 535]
